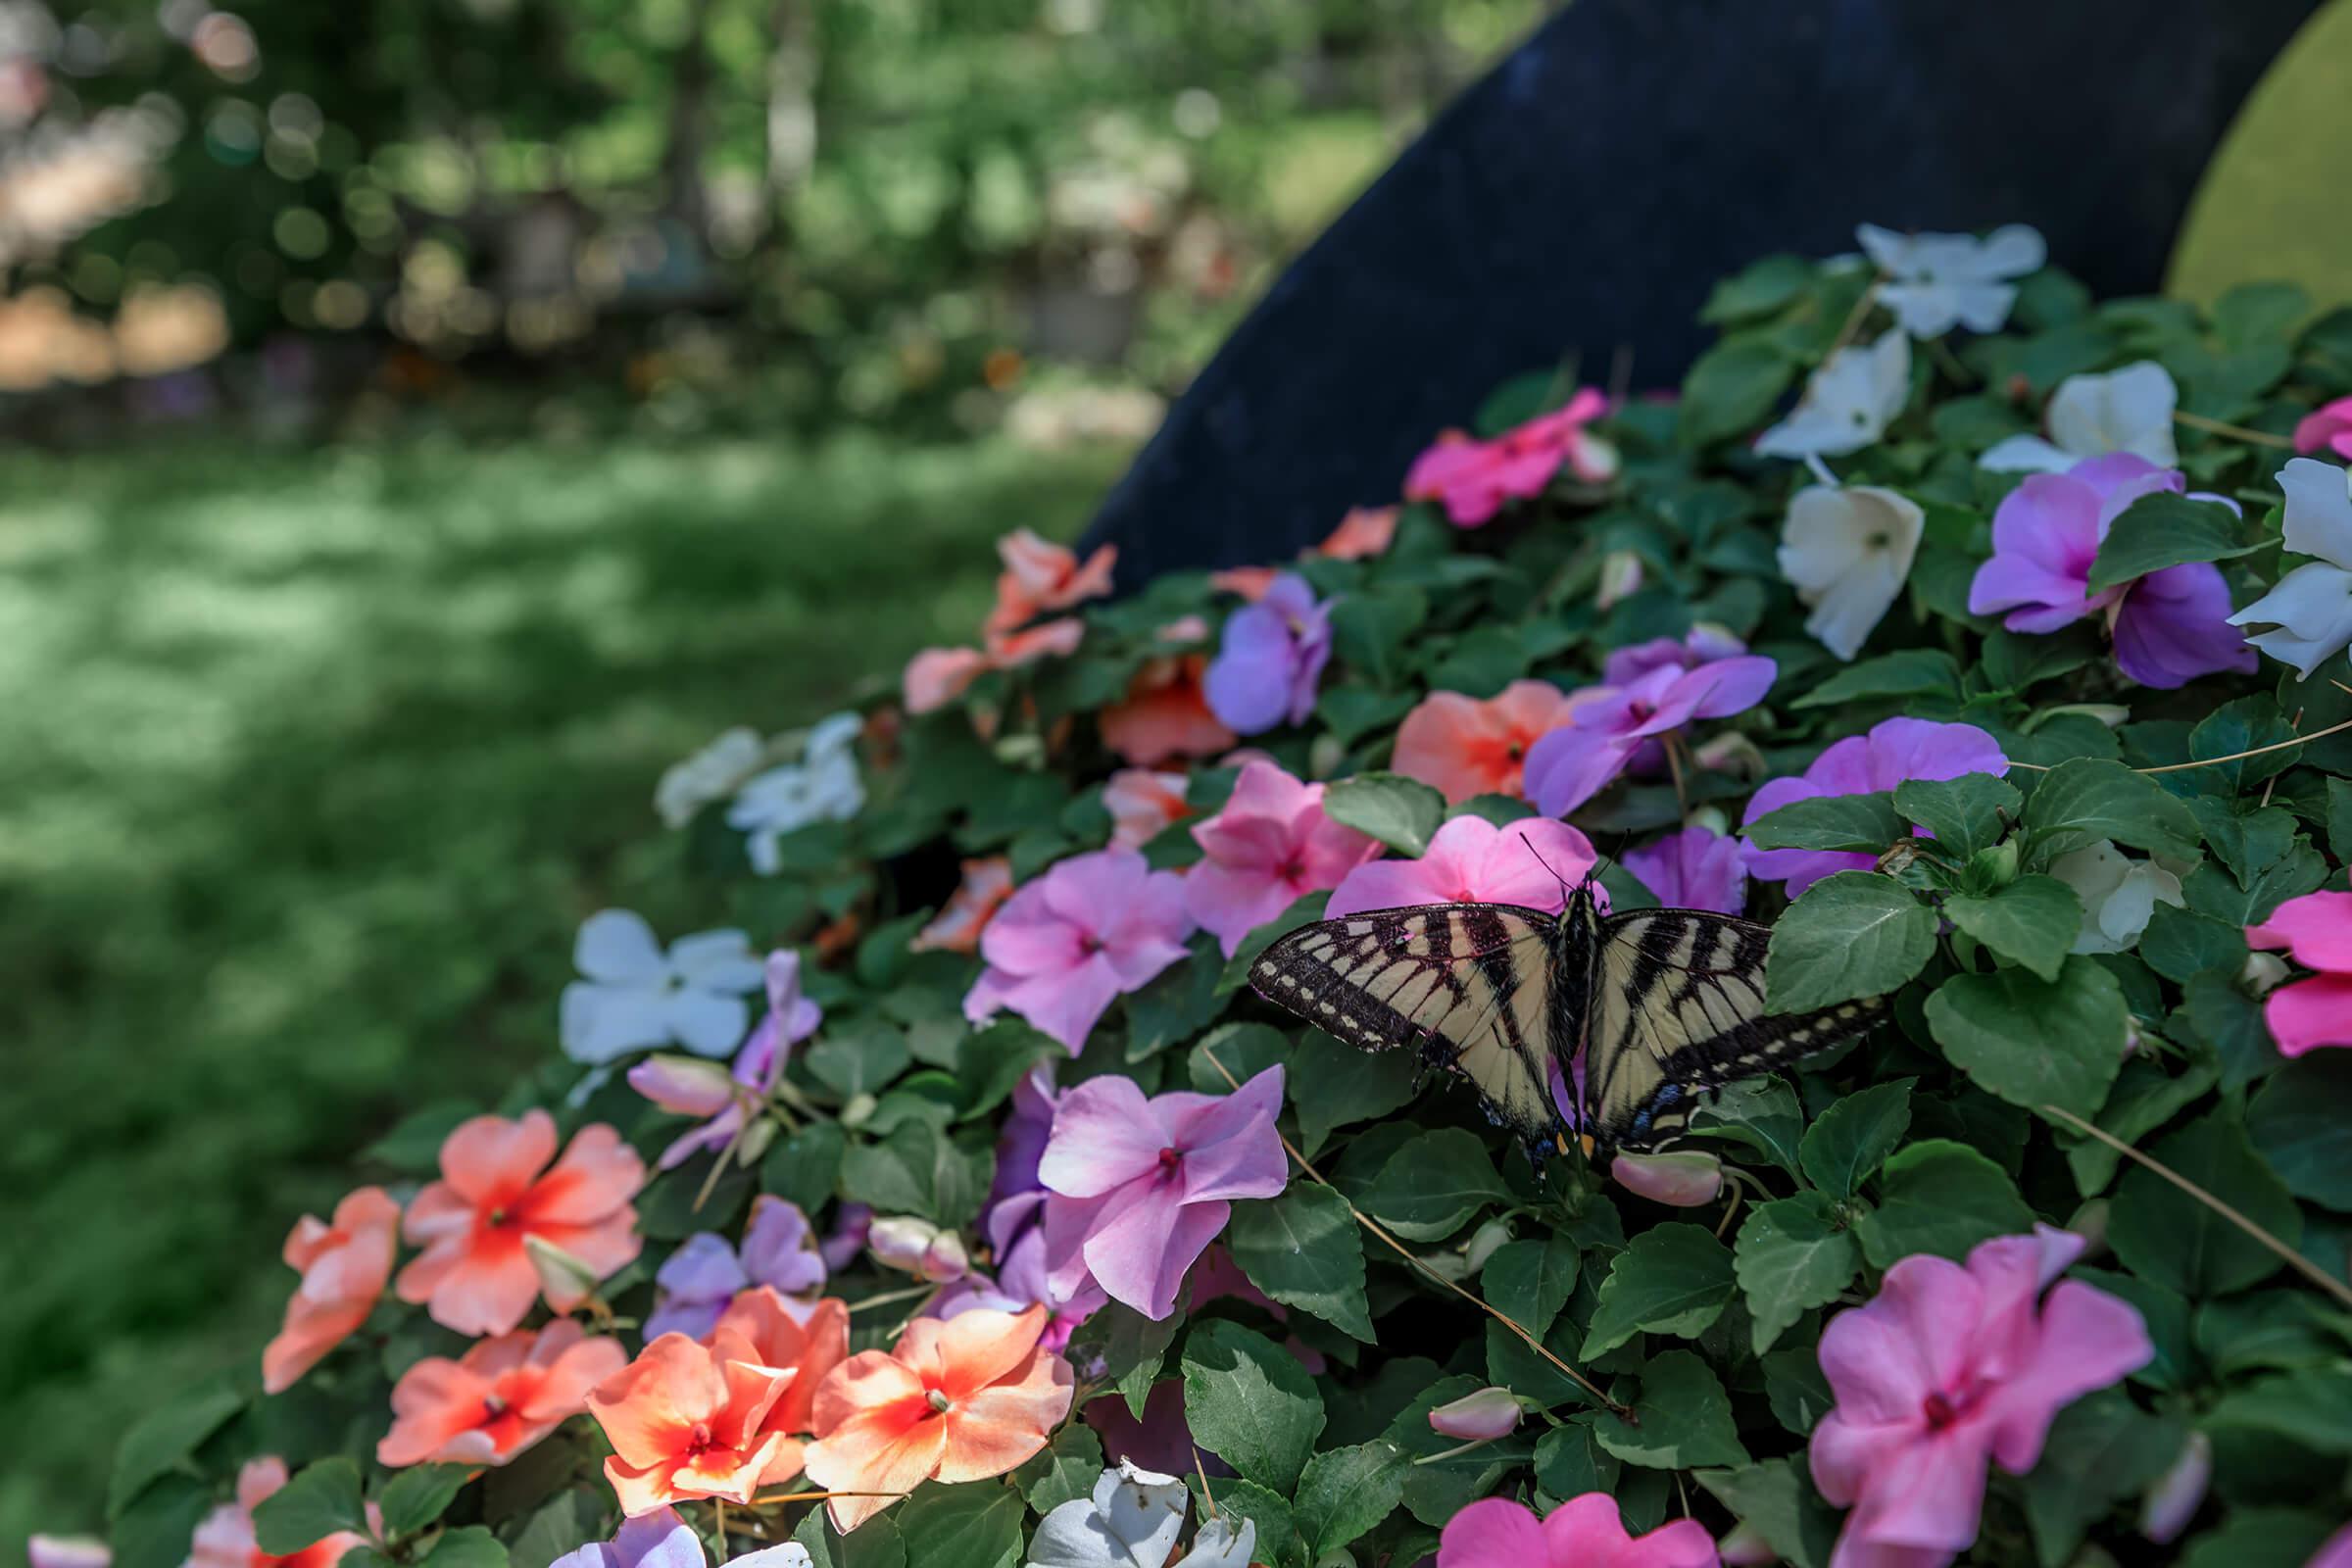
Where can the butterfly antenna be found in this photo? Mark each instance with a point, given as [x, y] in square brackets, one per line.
[1546, 865]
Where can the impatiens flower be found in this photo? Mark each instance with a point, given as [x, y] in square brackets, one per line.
[224, 1539]
[66, 1551]
[711, 775]
[344, 1266]
[1583, 1532]
[2316, 930]
[1682, 1179]
[1165, 714]
[1894, 751]
[808, 1341]
[1609, 725]
[1936, 282]
[2118, 894]
[2169, 626]
[2130, 409]
[687, 1420]
[663, 1540]
[1014, 1224]
[916, 1246]
[937, 676]
[1040, 576]
[951, 1402]
[1464, 746]
[1696, 868]
[1266, 671]
[1268, 847]
[1132, 1521]
[1471, 860]
[694, 1286]
[1946, 1370]
[730, 1098]
[2334, 1552]
[1141, 1187]
[1848, 402]
[1092, 927]
[1367, 531]
[496, 1188]
[1142, 802]
[987, 883]
[1847, 550]
[1473, 478]
[1478, 1417]
[2326, 428]
[636, 997]
[500, 1397]
[2311, 605]
[823, 786]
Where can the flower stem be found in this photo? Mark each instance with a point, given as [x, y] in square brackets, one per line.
[1448, 1453]
[2233, 756]
[889, 1298]
[2236, 433]
[718, 1509]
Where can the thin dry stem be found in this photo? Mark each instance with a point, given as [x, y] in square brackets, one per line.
[2236, 433]
[2234, 757]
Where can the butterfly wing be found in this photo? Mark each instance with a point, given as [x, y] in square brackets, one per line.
[1676, 1007]
[1470, 984]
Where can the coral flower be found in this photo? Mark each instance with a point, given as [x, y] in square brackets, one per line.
[2317, 928]
[497, 1189]
[344, 1268]
[1365, 532]
[1068, 941]
[224, 1539]
[689, 1420]
[1141, 803]
[953, 1401]
[810, 1341]
[1462, 746]
[1269, 846]
[1165, 714]
[1583, 1532]
[937, 676]
[1474, 477]
[987, 883]
[499, 1399]
[1471, 860]
[1040, 575]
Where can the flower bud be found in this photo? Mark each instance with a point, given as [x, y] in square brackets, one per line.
[901, 1242]
[1484, 1242]
[1619, 578]
[2090, 1223]
[2262, 973]
[1479, 1417]
[683, 1085]
[860, 1110]
[945, 1261]
[2174, 1500]
[1683, 1179]
[565, 1278]
[1732, 752]
[66, 1551]
[1745, 1548]
[2111, 715]
[1712, 819]
[755, 1141]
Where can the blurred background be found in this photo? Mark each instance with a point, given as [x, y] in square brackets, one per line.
[421, 422]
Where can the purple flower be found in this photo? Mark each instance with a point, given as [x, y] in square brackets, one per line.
[1069, 941]
[2169, 626]
[1611, 727]
[1264, 676]
[663, 1540]
[1697, 868]
[842, 1244]
[1895, 750]
[704, 1273]
[696, 1089]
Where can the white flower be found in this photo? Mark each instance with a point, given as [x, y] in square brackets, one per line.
[1132, 1521]
[636, 997]
[2118, 894]
[823, 786]
[2130, 409]
[711, 775]
[1847, 402]
[1939, 280]
[2311, 605]
[1847, 551]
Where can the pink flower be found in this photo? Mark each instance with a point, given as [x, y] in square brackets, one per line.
[1609, 726]
[1142, 802]
[1697, 868]
[1948, 1370]
[226, 1538]
[1269, 846]
[2334, 1552]
[2317, 929]
[1474, 477]
[2328, 427]
[1680, 1179]
[1062, 946]
[1138, 1188]
[1895, 750]
[1471, 860]
[1479, 1417]
[1583, 1532]
[937, 676]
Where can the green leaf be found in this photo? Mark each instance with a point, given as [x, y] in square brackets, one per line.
[558, 1528]
[1065, 1472]
[2164, 1235]
[320, 1500]
[1528, 1281]
[1966, 814]
[1243, 1050]
[2340, 817]
[1129, 1347]
[1794, 1386]
[2145, 1098]
[2260, 1538]
[1570, 1462]
[2310, 1409]
[2246, 837]
[1793, 1253]
[1346, 1491]
[1758, 289]
[2301, 1120]
[162, 1439]
[2101, 1448]
[1333, 1085]
[1777, 1500]
[469, 1546]
[1350, 712]
[413, 1145]
[2213, 892]
[1303, 1249]
[1760, 1114]
[1830, 822]
[1432, 1183]
[1271, 1511]
[1176, 1003]
[2035, 1042]
[1249, 1402]
[1908, 672]
[992, 1061]
[2291, 1330]
[2030, 922]
[1731, 390]
[420, 1495]
[805, 1166]
[154, 1530]
[2253, 313]
[2078, 802]
[1685, 1418]
[1942, 1197]
[965, 1527]
[1856, 934]
[1435, 1489]
[2214, 1011]
[1848, 1142]
[875, 1544]
[2247, 724]
[2179, 942]
[1371, 633]
[916, 1171]
[1673, 1279]
[1401, 813]
[858, 1061]
[2166, 529]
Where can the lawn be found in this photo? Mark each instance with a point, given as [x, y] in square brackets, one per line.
[310, 765]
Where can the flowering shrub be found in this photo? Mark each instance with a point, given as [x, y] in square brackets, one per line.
[953, 1202]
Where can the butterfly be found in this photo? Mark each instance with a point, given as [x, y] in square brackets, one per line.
[1663, 1005]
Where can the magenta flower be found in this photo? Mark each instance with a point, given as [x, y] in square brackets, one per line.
[2317, 929]
[691, 1088]
[1895, 750]
[2326, 428]
[1270, 845]
[1471, 860]
[1583, 1532]
[2169, 626]
[704, 1274]
[1474, 477]
[1697, 868]
[1138, 1188]
[1609, 726]
[1266, 669]
[1014, 1224]
[1066, 942]
[1949, 1369]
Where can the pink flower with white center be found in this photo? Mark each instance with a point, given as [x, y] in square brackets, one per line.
[1141, 801]
[1948, 1370]
[1268, 847]
[1474, 477]
[1137, 1188]
[1609, 726]
[1471, 860]
[1066, 944]
[1583, 1532]
[2316, 930]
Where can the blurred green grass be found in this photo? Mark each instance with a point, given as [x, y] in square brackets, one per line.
[310, 765]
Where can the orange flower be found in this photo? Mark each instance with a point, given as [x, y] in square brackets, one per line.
[497, 1189]
[344, 1268]
[987, 884]
[499, 1399]
[937, 676]
[224, 1539]
[1165, 714]
[1365, 531]
[1462, 747]
[960, 1401]
[811, 1345]
[1251, 583]
[1040, 576]
[686, 1420]
[1141, 803]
